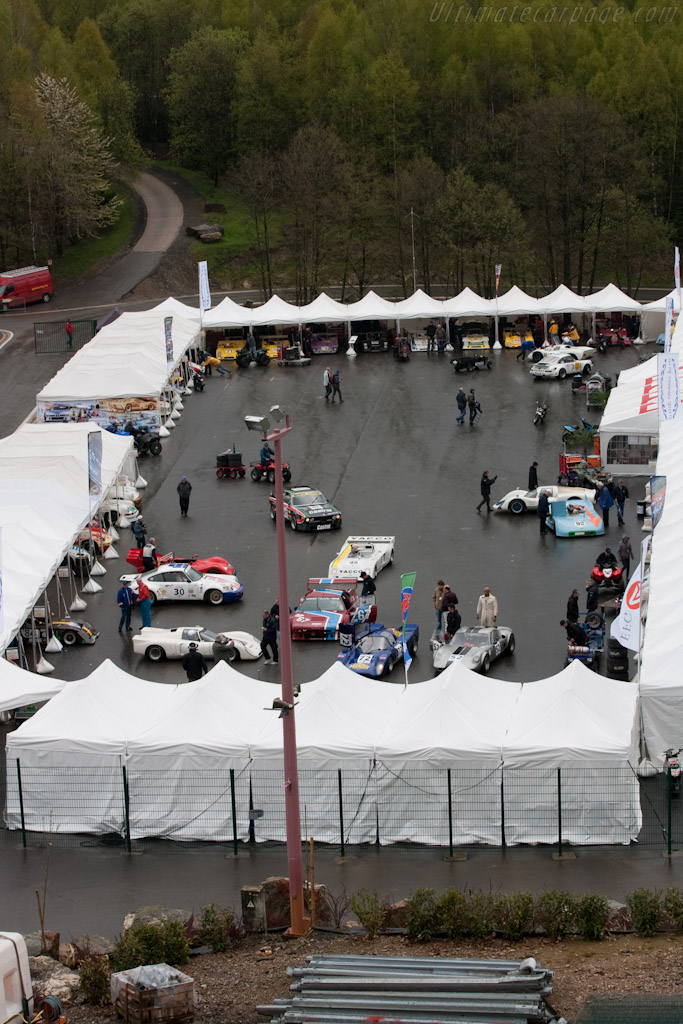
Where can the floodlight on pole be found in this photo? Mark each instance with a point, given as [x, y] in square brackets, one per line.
[299, 923]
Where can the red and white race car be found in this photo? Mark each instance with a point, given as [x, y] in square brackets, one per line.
[328, 604]
[215, 564]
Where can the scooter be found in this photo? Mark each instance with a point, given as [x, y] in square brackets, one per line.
[540, 414]
[583, 425]
[672, 767]
[259, 471]
[198, 381]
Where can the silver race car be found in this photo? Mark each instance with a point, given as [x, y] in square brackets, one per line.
[475, 646]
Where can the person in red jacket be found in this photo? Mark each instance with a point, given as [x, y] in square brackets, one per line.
[144, 602]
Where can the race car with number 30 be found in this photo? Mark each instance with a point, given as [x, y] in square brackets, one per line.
[307, 509]
[181, 582]
[329, 604]
[378, 648]
[363, 554]
[475, 646]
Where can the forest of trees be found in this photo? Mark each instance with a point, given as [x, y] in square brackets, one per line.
[551, 147]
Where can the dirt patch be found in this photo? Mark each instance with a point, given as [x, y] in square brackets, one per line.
[230, 985]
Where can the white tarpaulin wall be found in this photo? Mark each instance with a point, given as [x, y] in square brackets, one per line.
[19, 687]
[632, 414]
[653, 320]
[44, 503]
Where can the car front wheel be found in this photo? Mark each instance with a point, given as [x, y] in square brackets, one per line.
[155, 653]
[511, 645]
[69, 638]
[486, 664]
[292, 523]
[517, 506]
[214, 597]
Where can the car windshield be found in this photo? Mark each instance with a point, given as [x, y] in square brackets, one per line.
[374, 642]
[308, 498]
[469, 638]
[322, 604]
[192, 574]
[206, 634]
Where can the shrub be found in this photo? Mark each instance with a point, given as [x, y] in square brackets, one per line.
[481, 915]
[453, 913]
[369, 909]
[337, 907]
[423, 916]
[152, 944]
[214, 927]
[673, 904]
[592, 915]
[95, 974]
[514, 915]
[646, 910]
[238, 932]
[557, 913]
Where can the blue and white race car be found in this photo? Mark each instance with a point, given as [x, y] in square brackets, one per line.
[574, 518]
[378, 648]
[179, 581]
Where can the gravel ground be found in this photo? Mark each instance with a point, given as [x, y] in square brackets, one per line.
[231, 985]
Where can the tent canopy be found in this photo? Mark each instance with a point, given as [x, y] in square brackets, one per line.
[612, 300]
[227, 314]
[372, 307]
[173, 307]
[19, 687]
[563, 300]
[275, 311]
[323, 310]
[419, 306]
[516, 302]
[468, 303]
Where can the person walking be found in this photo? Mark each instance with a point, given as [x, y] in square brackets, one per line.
[461, 400]
[485, 486]
[441, 339]
[194, 664]
[431, 335]
[573, 607]
[138, 531]
[125, 600]
[473, 406]
[605, 502]
[336, 386]
[69, 328]
[223, 648]
[533, 476]
[369, 588]
[620, 495]
[144, 602]
[625, 552]
[542, 511]
[184, 489]
[487, 608]
[437, 601]
[149, 555]
[269, 638]
[591, 595]
[327, 383]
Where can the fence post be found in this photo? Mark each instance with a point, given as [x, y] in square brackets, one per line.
[126, 806]
[341, 811]
[450, 815]
[559, 811]
[668, 810]
[21, 805]
[234, 811]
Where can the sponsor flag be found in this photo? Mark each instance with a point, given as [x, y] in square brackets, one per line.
[677, 274]
[2, 617]
[168, 334]
[669, 323]
[407, 584]
[204, 290]
[626, 627]
[95, 465]
[669, 385]
[499, 268]
[657, 496]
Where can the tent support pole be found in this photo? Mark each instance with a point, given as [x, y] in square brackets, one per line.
[126, 806]
[668, 811]
[341, 813]
[559, 811]
[23, 822]
[450, 815]
[233, 809]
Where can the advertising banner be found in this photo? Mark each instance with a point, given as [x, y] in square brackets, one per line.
[626, 627]
[669, 323]
[95, 465]
[168, 334]
[499, 270]
[142, 411]
[669, 385]
[204, 290]
[2, 618]
[657, 496]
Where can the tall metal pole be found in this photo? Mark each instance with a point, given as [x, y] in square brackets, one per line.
[412, 235]
[299, 923]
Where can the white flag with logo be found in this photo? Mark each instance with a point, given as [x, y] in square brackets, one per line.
[204, 290]
[626, 627]
[677, 274]
[669, 385]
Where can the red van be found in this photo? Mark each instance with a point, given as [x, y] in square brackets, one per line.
[30, 284]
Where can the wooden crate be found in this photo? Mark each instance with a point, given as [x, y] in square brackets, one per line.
[172, 1002]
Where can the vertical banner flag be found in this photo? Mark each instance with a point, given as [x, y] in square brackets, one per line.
[168, 334]
[657, 496]
[677, 274]
[499, 268]
[669, 385]
[669, 323]
[95, 465]
[2, 617]
[204, 290]
[626, 627]
[407, 584]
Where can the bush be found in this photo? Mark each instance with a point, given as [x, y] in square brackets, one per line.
[514, 915]
[673, 904]
[646, 910]
[557, 913]
[453, 913]
[369, 909]
[423, 918]
[95, 975]
[592, 915]
[214, 927]
[481, 915]
[152, 944]
[337, 907]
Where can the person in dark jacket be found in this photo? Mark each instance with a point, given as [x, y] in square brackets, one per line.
[138, 531]
[591, 596]
[573, 607]
[449, 597]
[605, 502]
[453, 620]
[149, 555]
[368, 589]
[485, 486]
[625, 554]
[473, 406]
[606, 559]
[620, 495]
[194, 664]
[533, 476]
[269, 637]
[125, 599]
[576, 634]
[542, 511]
[461, 399]
[184, 489]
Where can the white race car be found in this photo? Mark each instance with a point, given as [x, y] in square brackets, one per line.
[124, 490]
[527, 501]
[362, 554]
[179, 581]
[117, 507]
[554, 351]
[159, 644]
[560, 365]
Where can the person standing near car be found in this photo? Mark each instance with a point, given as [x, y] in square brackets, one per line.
[461, 400]
[125, 600]
[138, 531]
[453, 621]
[542, 511]
[573, 607]
[533, 476]
[269, 637]
[69, 328]
[223, 648]
[625, 552]
[485, 486]
[591, 596]
[431, 335]
[441, 339]
[487, 608]
[149, 555]
[605, 502]
[620, 495]
[437, 601]
[327, 383]
[367, 594]
[184, 490]
[194, 664]
[144, 602]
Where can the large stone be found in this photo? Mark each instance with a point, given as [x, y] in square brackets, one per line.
[197, 230]
[210, 236]
[34, 943]
[154, 914]
[96, 945]
[68, 954]
[619, 917]
[51, 978]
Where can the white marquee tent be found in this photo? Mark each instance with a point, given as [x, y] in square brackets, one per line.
[275, 311]
[563, 300]
[611, 299]
[515, 302]
[419, 306]
[19, 687]
[227, 314]
[323, 310]
[468, 304]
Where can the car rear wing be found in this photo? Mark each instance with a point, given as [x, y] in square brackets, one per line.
[369, 540]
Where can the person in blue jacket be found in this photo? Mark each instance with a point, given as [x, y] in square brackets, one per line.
[605, 502]
[125, 600]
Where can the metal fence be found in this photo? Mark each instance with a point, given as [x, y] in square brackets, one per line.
[448, 808]
[50, 337]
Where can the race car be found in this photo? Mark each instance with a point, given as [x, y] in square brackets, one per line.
[124, 490]
[69, 631]
[553, 351]
[474, 336]
[95, 539]
[560, 365]
[363, 554]
[513, 337]
[574, 519]
[307, 509]
[214, 564]
[329, 604]
[527, 501]
[117, 507]
[159, 644]
[378, 648]
[475, 646]
[179, 581]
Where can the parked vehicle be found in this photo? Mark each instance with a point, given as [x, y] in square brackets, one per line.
[198, 380]
[266, 471]
[145, 442]
[327, 605]
[672, 769]
[540, 414]
[306, 508]
[229, 464]
[244, 357]
[570, 429]
[609, 577]
[610, 337]
[158, 644]
[69, 631]
[378, 648]
[474, 646]
[20, 287]
[590, 652]
[466, 364]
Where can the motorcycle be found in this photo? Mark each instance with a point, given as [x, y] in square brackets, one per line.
[540, 414]
[583, 425]
[609, 576]
[672, 767]
[261, 471]
[198, 380]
